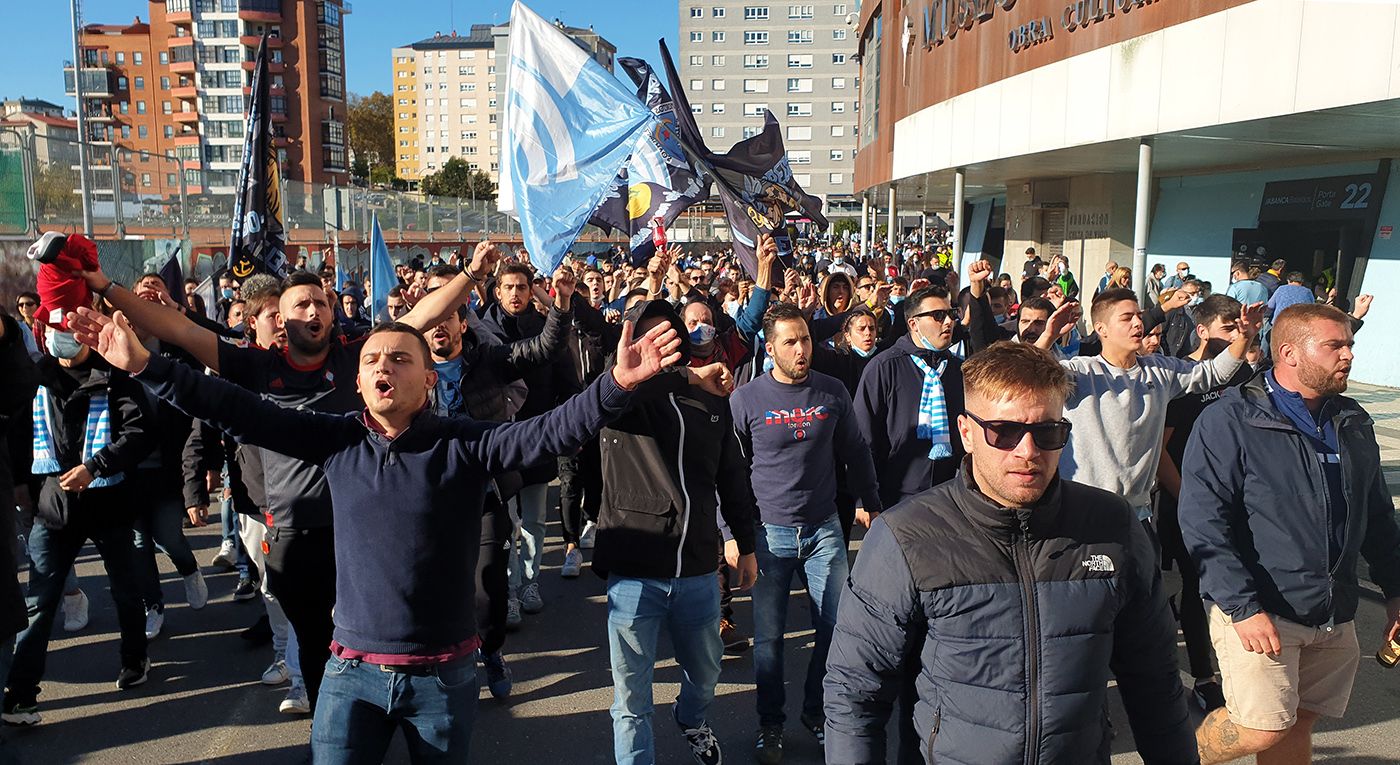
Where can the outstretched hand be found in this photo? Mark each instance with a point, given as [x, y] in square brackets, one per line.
[1061, 322]
[113, 338]
[1251, 319]
[640, 360]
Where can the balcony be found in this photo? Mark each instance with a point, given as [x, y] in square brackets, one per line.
[179, 41]
[102, 116]
[182, 67]
[185, 118]
[278, 116]
[273, 67]
[253, 41]
[185, 91]
[97, 81]
[186, 139]
[260, 10]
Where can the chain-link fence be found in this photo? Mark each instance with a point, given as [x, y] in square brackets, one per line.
[141, 194]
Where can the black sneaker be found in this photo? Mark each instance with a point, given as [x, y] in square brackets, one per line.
[816, 725]
[260, 633]
[1208, 696]
[131, 677]
[769, 749]
[21, 713]
[246, 590]
[704, 747]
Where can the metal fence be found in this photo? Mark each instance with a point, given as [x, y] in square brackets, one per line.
[138, 194]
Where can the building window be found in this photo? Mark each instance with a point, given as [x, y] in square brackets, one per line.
[168, 131]
[799, 109]
[125, 107]
[140, 131]
[799, 133]
[717, 12]
[136, 58]
[802, 179]
[754, 110]
[756, 61]
[756, 13]
[799, 61]
[716, 84]
[121, 58]
[126, 131]
[121, 83]
[838, 131]
[697, 60]
[799, 11]
[750, 131]
[799, 85]
[800, 157]
[755, 86]
[333, 133]
[799, 37]
[717, 108]
[697, 13]
[838, 58]
[838, 83]
[838, 34]
[696, 37]
[164, 58]
[140, 107]
[838, 107]
[837, 178]
[716, 60]
[697, 109]
[697, 85]
[839, 9]
[716, 132]
[755, 38]
[717, 37]
[838, 155]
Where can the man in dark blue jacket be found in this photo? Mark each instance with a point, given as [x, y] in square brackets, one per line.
[1281, 489]
[1015, 594]
[405, 627]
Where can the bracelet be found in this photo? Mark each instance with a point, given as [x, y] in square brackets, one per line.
[474, 277]
[102, 293]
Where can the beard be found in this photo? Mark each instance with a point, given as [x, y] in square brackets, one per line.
[791, 369]
[1321, 379]
[303, 343]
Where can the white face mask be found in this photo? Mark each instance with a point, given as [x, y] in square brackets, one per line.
[702, 334]
[62, 345]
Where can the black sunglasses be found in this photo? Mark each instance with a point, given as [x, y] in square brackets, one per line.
[939, 315]
[1007, 434]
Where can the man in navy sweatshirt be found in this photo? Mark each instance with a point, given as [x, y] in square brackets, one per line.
[795, 425]
[407, 486]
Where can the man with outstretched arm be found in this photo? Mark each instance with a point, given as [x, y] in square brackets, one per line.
[396, 662]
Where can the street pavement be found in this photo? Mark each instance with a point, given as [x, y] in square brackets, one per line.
[204, 704]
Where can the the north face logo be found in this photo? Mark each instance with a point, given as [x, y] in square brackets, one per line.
[1098, 563]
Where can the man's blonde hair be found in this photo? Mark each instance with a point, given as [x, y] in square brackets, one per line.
[1294, 324]
[1007, 369]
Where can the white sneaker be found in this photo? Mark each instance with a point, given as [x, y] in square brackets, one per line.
[227, 556]
[296, 702]
[585, 539]
[75, 611]
[276, 673]
[155, 619]
[573, 563]
[196, 591]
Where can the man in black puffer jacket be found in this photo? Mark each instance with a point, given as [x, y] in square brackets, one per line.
[1019, 593]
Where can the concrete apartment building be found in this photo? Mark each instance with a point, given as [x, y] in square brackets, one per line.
[178, 84]
[53, 135]
[739, 57]
[446, 97]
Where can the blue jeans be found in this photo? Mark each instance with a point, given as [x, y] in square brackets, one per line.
[637, 608]
[229, 525]
[818, 555]
[51, 554]
[158, 527]
[360, 705]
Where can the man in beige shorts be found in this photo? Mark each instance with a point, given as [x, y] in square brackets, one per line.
[1281, 491]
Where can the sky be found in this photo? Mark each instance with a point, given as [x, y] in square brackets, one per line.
[31, 64]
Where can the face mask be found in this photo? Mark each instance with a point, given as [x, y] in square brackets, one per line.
[923, 341]
[896, 299]
[702, 334]
[1182, 271]
[1197, 300]
[63, 345]
[838, 259]
[863, 354]
[228, 293]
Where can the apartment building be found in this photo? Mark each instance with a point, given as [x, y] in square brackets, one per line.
[740, 57]
[447, 97]
[178, 85]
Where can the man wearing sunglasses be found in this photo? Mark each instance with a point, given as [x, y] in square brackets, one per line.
[1014, 593]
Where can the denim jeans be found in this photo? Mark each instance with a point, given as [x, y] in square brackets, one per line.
[637, 609]
[158, 526]
[817, 554]
[361, 705]
[528, 511]
[229, 525]
[51, 553]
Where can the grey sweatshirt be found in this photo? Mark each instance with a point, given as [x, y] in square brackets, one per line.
[1119, 416]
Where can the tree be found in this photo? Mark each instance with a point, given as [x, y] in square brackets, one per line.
[371, 123]
[456, 179]
[843, 225]
[56, 192]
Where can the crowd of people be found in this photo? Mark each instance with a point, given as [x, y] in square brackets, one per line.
[1019, 472]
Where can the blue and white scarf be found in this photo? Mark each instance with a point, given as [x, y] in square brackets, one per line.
[933, 410]
[99, 423]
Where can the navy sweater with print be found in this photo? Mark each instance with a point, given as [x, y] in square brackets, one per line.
[794, 435]
[408, 510]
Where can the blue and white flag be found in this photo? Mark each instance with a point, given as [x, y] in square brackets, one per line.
[381, 273]
[569, 128]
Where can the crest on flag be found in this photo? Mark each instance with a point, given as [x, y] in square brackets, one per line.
[257, 242]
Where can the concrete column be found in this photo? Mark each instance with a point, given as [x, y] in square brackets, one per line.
[893, 222]
[959, 199]
[1141, 222]
[864, 226]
